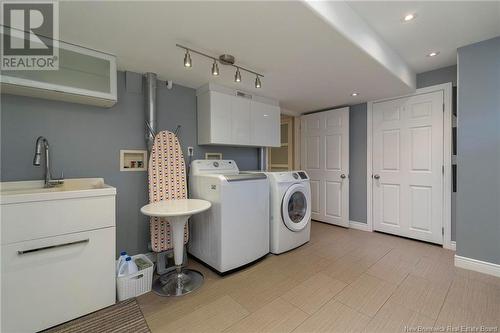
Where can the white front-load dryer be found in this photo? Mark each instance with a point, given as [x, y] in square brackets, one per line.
[290, 216]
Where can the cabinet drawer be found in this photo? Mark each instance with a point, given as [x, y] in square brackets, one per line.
[33, 220]
[48, 281]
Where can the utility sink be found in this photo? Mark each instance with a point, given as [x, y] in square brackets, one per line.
[34, 190]
[57, 245]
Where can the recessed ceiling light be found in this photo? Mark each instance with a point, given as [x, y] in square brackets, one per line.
[354, 94]
[433, 54]
[409, 17]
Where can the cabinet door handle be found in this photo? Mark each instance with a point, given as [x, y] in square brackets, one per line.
[53, 246]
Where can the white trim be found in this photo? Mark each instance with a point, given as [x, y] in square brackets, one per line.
[453, 246]
[447, 141]
[447, 181]
[296, 143]
[359, 226]
[290, 113]
[369, 169]
[477, 265]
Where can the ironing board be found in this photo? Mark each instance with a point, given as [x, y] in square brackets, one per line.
[170, 209]
[167, 181]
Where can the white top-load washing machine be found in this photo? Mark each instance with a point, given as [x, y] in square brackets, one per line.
[235, 231]
[290, 219]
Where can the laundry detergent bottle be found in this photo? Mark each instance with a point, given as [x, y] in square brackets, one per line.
[129, 267]
[121, 260]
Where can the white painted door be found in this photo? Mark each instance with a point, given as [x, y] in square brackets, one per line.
[407, 166]
[325, 158]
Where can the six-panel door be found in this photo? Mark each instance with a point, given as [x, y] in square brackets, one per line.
[325, 157]
[407, 166]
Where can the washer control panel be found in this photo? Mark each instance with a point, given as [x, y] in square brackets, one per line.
[303, 175]
[214, 166]
[290, 176]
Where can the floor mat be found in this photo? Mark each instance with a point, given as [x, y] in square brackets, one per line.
[125, 316]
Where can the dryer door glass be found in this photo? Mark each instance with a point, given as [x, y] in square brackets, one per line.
[297, 207]
[295, 210]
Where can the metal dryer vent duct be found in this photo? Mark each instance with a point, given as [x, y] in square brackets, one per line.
[150, 107]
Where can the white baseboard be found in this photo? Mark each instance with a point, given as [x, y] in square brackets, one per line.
[451, 246]
[359, 226]
[477, 265]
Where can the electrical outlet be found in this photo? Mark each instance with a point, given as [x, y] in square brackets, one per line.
[190, 151]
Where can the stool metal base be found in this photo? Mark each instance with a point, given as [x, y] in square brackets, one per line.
[178, 283]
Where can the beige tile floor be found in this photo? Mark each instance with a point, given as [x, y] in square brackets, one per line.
[343, 280]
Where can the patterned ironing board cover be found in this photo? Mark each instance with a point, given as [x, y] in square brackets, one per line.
[167, 180]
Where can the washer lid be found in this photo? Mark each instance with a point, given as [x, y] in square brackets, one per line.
[295, 210]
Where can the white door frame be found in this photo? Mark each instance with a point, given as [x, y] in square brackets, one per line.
[447, 187]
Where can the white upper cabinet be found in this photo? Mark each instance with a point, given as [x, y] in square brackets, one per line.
[230, 117]
[220, 117]
[240, 120]
[265, 124]
[84, 76]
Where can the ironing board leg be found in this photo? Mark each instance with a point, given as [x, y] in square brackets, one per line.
[181, 281]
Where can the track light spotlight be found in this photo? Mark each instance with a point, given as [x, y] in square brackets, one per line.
[237, 76]
[257, 82]
[187, 60]
[225, 59]
[215, 69]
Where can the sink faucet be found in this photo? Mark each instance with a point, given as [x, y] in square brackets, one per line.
[49, 181]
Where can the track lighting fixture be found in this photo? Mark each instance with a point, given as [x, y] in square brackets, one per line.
[225, 59]
[237, 76]
[215, 68]
[187, 60]
[257, 82]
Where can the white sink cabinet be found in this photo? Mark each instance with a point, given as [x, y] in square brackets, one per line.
[57, 252]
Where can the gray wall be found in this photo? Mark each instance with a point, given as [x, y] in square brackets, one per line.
[86, 141]
[437, 76]
[478, 197]
[357, 144]
[357, 163]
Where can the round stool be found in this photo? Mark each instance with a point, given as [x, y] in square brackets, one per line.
[177, 213]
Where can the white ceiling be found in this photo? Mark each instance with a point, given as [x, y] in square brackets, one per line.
[309, 61]
[307, 64]
[440, 26]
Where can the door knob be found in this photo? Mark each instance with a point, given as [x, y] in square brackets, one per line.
[376, 176]
[342, 176]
